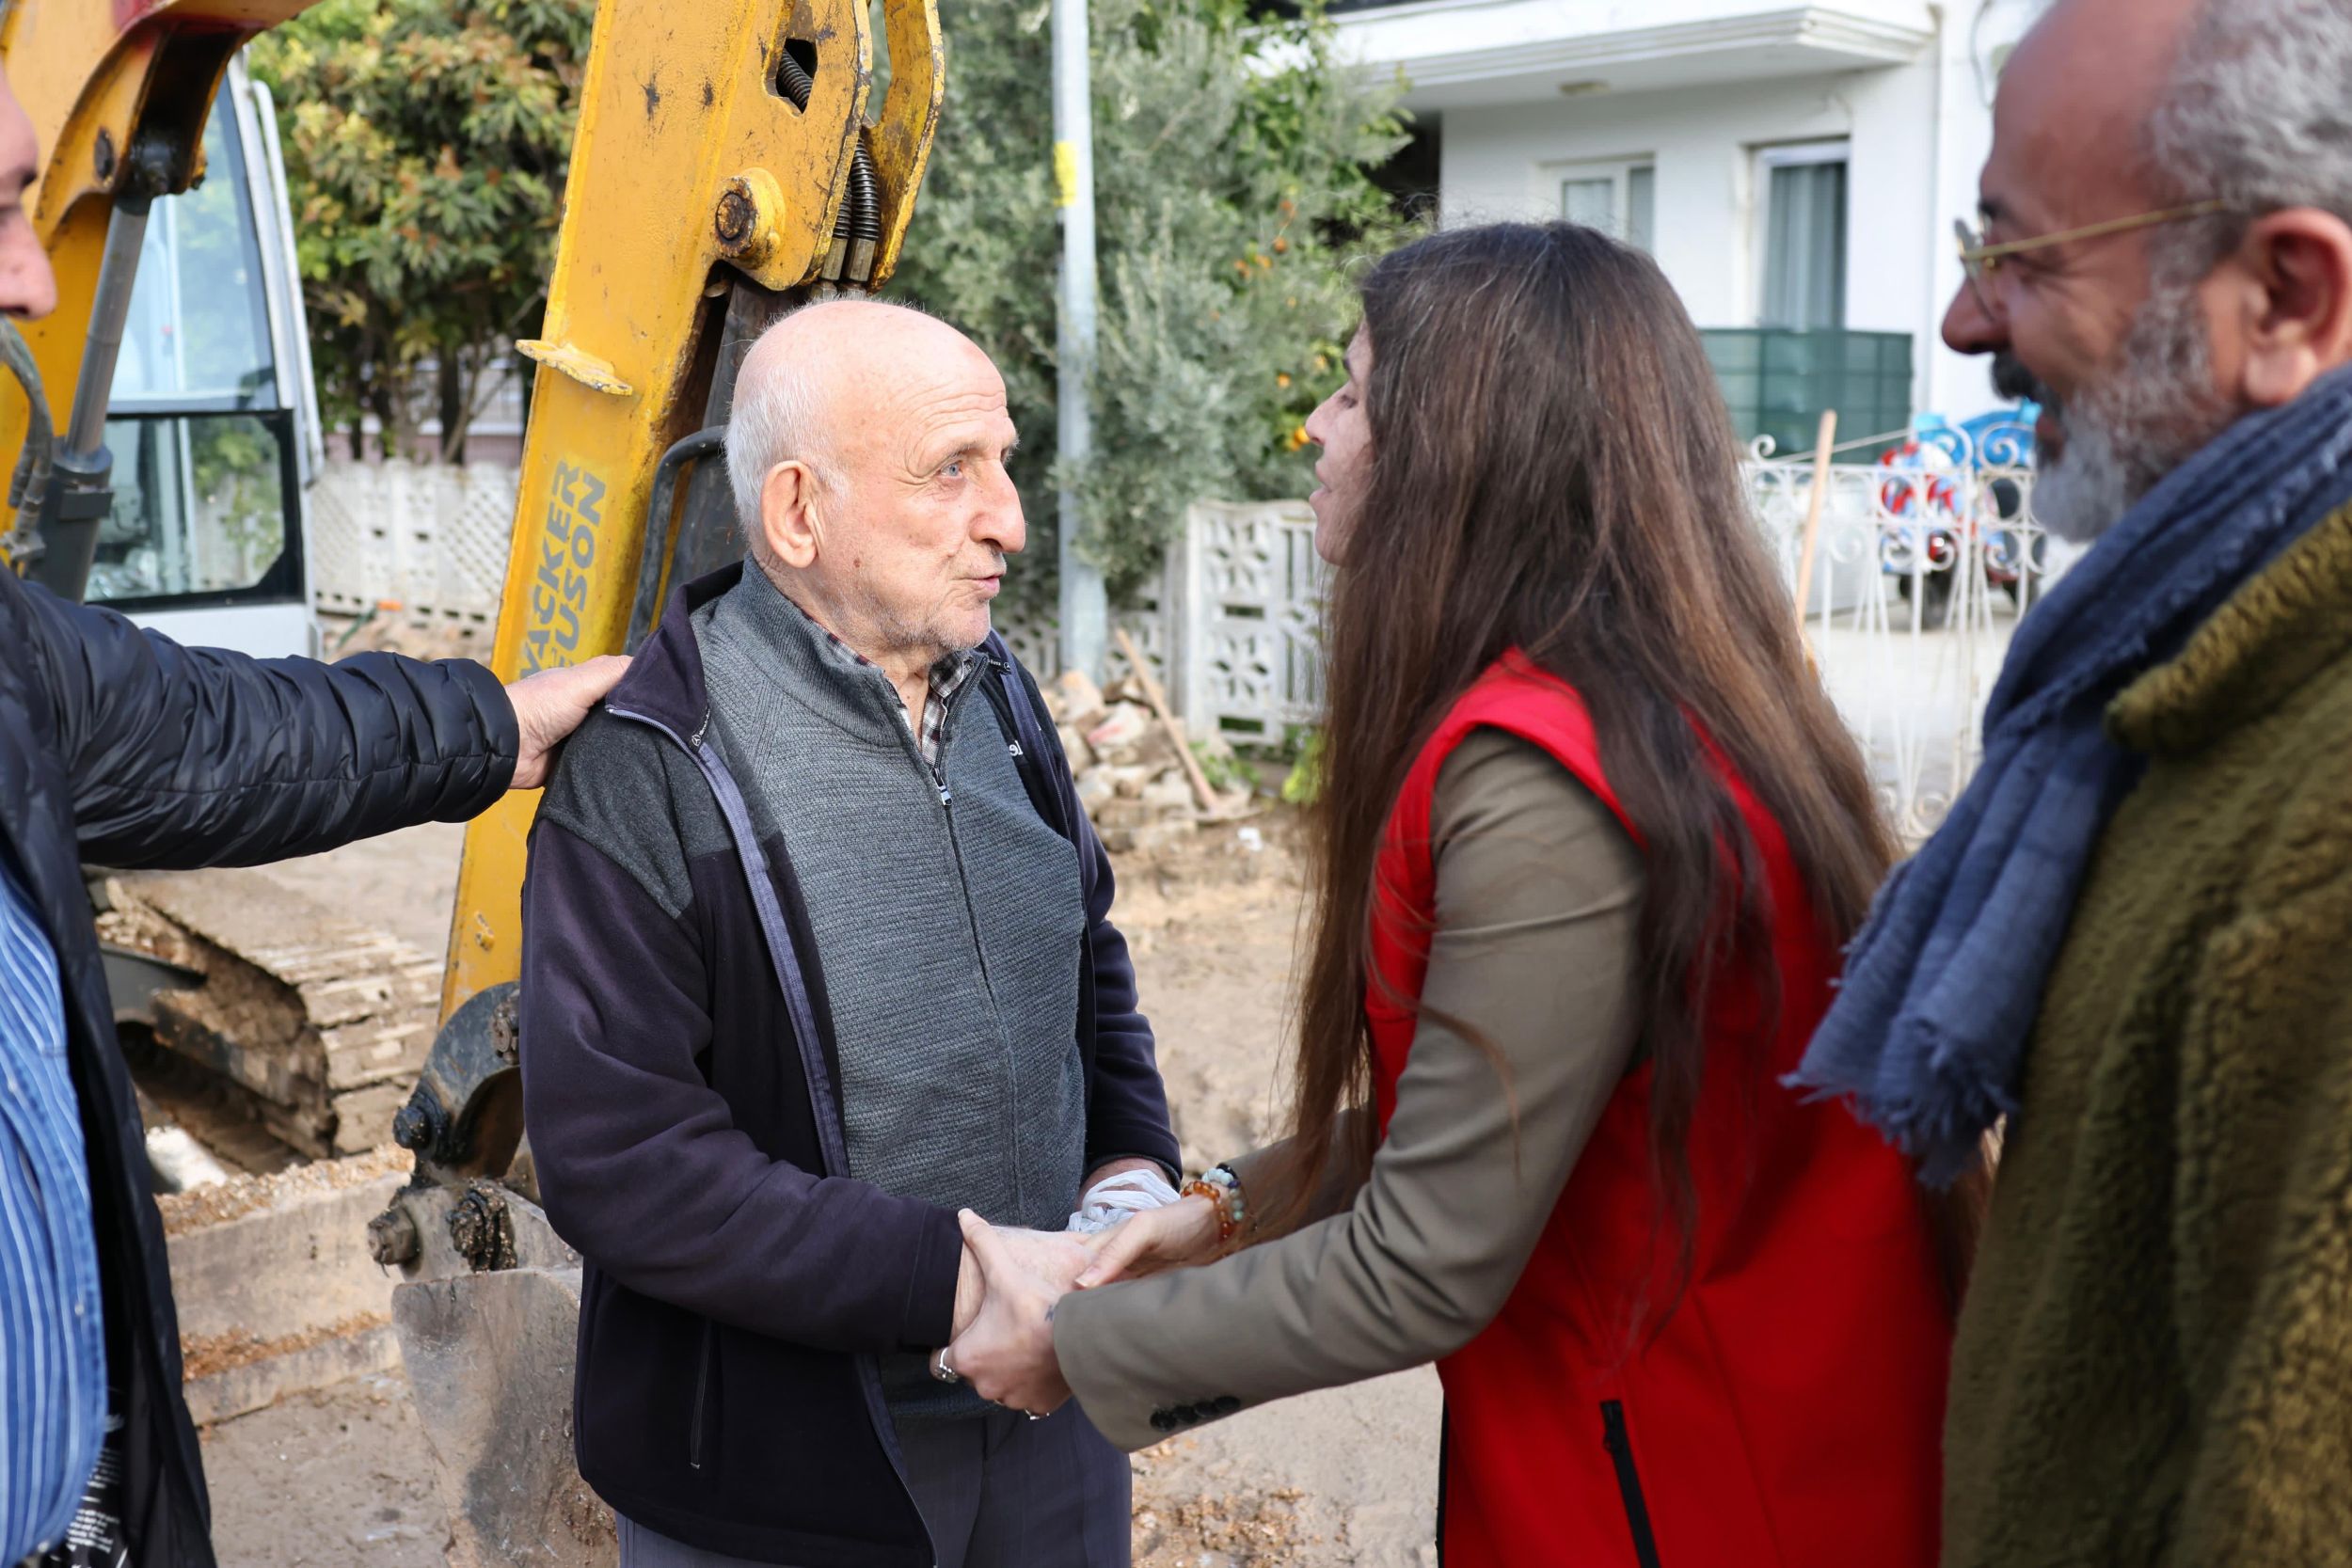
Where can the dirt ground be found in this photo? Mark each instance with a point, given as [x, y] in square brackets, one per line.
[1343, 1478]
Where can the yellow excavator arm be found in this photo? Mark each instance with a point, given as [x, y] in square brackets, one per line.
[723, 170]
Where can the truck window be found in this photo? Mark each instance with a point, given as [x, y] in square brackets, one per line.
[206, 506]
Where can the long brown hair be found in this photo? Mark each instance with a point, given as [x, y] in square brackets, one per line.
[1553, 470]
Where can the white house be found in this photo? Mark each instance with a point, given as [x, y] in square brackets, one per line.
[1794, 167]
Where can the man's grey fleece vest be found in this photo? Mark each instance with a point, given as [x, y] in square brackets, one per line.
[948, 931]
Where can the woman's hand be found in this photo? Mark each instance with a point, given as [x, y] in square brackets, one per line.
[1173, 1236]
[1006, 1351]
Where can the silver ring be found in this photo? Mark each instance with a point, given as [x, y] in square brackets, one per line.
[942, 1371]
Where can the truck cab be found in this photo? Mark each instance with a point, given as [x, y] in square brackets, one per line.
[213, 419]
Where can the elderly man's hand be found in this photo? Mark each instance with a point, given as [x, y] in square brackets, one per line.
[1052, 1258]
[549, 705]
[1006, 1351]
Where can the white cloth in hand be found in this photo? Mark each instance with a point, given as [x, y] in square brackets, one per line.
[1115, 1197]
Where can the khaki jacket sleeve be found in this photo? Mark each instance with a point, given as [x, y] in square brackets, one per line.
[1538, 891]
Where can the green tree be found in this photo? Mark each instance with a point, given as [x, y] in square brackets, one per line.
[425, 145]
[1232, 159]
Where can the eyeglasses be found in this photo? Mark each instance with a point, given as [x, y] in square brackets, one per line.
[1978, 260]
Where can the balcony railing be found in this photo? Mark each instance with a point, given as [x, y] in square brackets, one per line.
[1779, 382]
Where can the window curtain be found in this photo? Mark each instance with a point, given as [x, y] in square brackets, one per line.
[1805, 263]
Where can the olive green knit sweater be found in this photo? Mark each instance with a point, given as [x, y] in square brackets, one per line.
[2154, 1363]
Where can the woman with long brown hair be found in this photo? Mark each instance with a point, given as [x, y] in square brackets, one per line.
[1588, 842]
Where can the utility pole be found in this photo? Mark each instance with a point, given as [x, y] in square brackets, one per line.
[1085, 608]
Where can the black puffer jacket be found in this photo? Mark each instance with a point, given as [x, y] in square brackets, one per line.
[121, 748]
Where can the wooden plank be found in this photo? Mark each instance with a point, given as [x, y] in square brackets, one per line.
[1823, 447]
[1202, 792]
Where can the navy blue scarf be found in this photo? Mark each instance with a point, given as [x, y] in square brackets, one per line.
[1927, 1036]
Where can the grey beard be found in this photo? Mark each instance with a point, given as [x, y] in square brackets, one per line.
[2146, 416]
[896, 633]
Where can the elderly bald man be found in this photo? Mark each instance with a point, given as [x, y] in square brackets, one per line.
[818, 953]
[2130, 934]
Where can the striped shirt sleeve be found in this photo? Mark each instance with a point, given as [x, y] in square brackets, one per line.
[52, 1345]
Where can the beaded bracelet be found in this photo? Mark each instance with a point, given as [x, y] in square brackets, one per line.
[1221, 1186]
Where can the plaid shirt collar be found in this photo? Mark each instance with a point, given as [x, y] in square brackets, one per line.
[947, 677]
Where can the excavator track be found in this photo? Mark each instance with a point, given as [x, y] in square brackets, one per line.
[319, 1022]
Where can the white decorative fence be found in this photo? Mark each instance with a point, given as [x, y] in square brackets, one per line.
[1231, 630]
[1920, 574]
[428, 537]
[1245, 583]
[1035, 639]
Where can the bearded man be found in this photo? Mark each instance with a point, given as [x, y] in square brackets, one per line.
[2128, 938]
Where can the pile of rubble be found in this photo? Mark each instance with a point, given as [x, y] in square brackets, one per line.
[1143, 784]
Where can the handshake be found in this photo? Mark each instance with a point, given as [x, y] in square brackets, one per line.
[1013, 1280]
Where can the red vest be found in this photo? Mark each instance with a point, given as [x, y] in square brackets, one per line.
[1789, 1413]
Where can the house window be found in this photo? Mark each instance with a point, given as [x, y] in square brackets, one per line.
[1619, 198]
[1804, 235]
